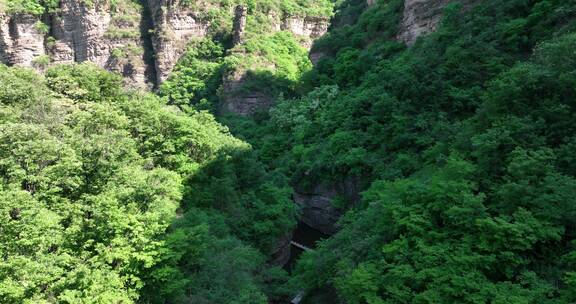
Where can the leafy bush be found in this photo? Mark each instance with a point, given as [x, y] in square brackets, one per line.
[108, 196]
[465, 139]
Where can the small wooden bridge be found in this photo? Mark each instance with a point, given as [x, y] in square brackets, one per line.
[298, 245]
[298, 298]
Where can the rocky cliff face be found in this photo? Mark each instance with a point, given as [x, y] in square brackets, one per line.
[239, 28]
[236, 100]
[174, 26]
[317, 207]
[242, 102]
[110, 38]
[141, 42]
[308, 27]
[21, 39]
[282, 251]
[117, 38]
[422, 16]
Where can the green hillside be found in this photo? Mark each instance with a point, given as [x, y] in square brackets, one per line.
[463, 146]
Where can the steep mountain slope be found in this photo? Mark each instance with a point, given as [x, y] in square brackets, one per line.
[142, 40]
[462, 141]
[433, 140]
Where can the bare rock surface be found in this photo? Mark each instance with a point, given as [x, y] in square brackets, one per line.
[317, 204]
[316, 56]
[80, 32]
[95, 34]
[423, 16]
[118, 39]
[239, 29]
[174, 27]
[309, 27]
[281, 253]
[420, 17]
[241, 101]
[21, 41]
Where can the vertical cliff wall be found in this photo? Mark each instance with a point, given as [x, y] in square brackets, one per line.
[109, 37]
[21, 39]
[112, 37]
[174, 26]
[309, 27]
[140, 40]
[423, 16]
[144, 41]
[235, 98]
[239, 28]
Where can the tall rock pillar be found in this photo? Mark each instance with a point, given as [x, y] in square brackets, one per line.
[240, 15]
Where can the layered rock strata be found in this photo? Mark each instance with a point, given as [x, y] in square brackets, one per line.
[423, 16]
[21, 39]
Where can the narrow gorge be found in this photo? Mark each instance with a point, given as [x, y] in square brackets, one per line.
[293, 151]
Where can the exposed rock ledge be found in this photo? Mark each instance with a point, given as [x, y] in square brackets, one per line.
[76, 33]
[316, 205]
[243, 102]
[121, 42]
[174, 27]
[422, 16]
[20, 39]
[281, 253]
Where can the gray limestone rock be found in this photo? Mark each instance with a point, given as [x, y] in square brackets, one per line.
[21, 40]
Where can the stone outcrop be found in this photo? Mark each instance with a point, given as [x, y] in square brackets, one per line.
[117, 41]
[174, 27]
[309, 27]
[77, 33]
[238, 100]
[21, 39]
[317, 208]
[422, 16]
[235, 99]
[316, 56]
[141, 42]
[240, 16]
[281, 253]
[95, 34]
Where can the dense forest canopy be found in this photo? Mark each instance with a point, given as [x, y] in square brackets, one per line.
[464, 144]
[111, 196]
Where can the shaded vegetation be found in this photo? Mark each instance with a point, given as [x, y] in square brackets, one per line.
[464, 139]
[464, 144]
[110, 197]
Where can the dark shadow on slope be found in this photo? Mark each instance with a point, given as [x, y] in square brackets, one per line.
[146, 28]
[231, 218]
